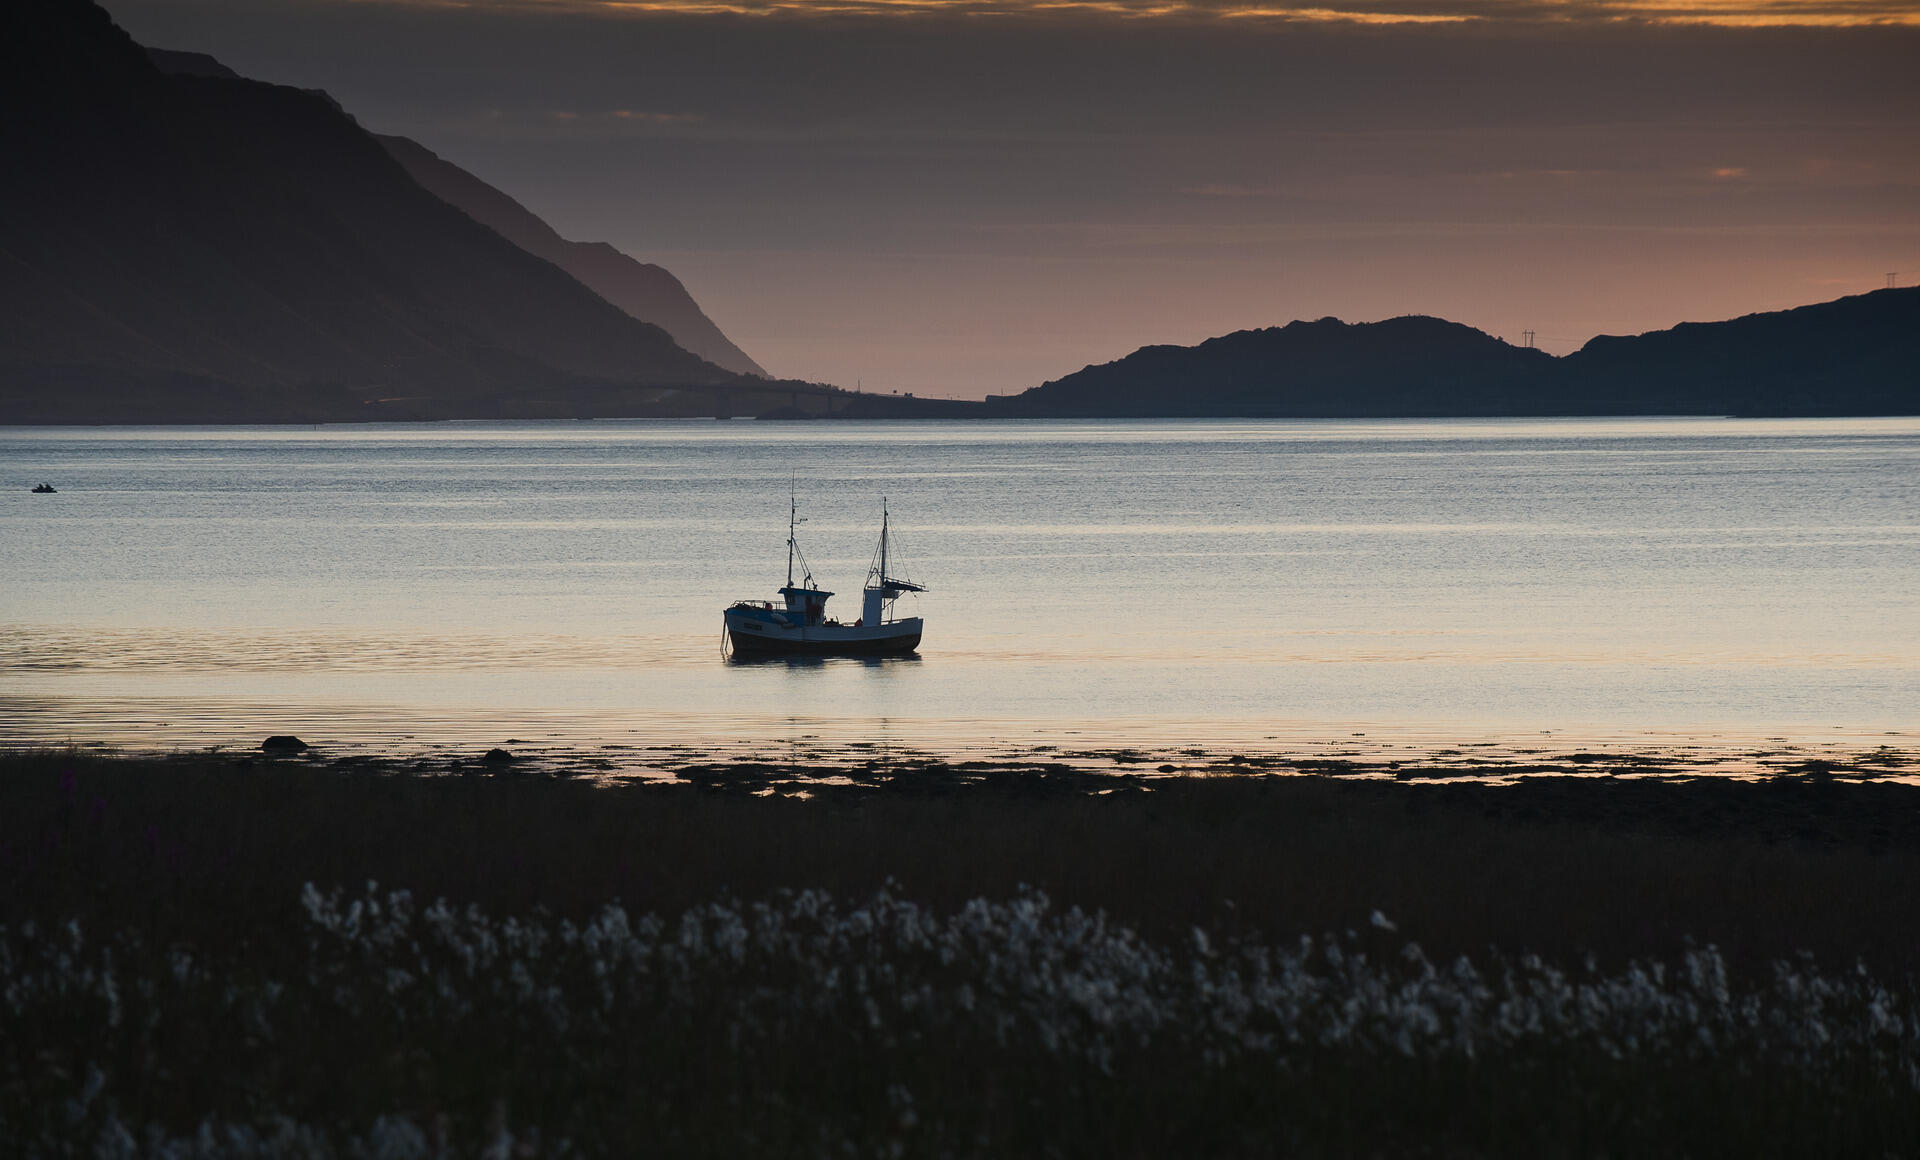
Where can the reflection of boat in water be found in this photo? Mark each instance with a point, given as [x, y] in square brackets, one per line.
[44, 489]
[799, 625]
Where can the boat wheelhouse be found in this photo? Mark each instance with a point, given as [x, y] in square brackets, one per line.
[799, 626]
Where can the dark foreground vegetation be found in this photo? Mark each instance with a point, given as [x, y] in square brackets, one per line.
[1029, 964]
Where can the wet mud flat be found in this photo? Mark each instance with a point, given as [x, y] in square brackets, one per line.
[1066, 953]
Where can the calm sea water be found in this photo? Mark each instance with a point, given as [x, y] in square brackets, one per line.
[1211, 581]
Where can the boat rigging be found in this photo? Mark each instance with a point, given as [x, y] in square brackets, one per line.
[799, 624]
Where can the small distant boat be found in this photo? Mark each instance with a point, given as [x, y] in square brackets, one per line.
[44, 489]
[798, 626]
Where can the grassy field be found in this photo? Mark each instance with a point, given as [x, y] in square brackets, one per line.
[817, 975]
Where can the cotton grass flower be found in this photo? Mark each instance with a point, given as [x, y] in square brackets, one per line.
[1016, 983]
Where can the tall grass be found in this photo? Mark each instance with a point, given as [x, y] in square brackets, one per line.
[797, 1026]
[194, 963]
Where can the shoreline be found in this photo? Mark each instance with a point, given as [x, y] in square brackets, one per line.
[810, 761]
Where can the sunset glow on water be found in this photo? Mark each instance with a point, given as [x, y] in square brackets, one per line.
[1220, 582]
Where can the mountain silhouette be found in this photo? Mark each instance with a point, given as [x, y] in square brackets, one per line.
[178, 248]
[180, 244]
[189, 64]
[1858, 355]
[1852, 356]
[1403, 366]
[643, 290]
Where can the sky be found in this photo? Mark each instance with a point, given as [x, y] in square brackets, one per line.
[964, 197]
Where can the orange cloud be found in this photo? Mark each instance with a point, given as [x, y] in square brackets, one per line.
[1763, 13]
[1730, 13]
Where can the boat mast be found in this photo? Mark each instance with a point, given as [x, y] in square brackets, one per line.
[883, 541]
[793, 510]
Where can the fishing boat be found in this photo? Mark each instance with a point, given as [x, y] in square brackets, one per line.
[799, 626]
[44, 489]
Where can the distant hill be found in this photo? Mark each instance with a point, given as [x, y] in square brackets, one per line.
[178, 248]
[1853, 356]
[642, 289]
[1403, 366]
